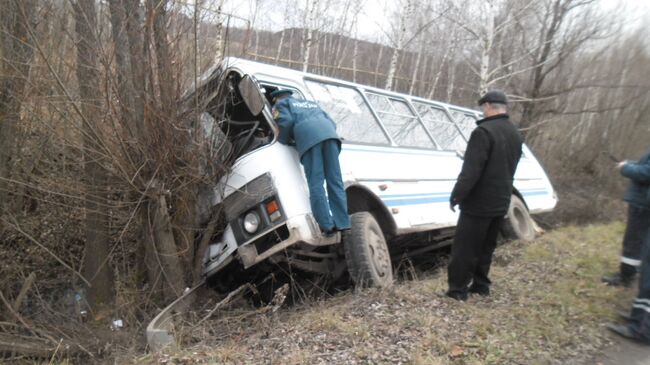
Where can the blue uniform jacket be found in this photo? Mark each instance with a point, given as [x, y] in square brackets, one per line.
[304, 122]
[638, 194]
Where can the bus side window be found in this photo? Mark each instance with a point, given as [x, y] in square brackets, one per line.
[345, 105]
[465, 122]
[402, 125]
[444, 130]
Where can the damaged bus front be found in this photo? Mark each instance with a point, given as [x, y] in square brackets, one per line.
[264, 197]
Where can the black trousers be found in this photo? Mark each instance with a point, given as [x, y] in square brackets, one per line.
[471, 253]
[640, 324]
[638, 223]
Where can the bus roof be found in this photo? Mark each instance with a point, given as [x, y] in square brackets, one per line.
[258, 68]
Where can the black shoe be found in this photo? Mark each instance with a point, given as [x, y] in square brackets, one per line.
[481, 290]
[625, 315]
[626, 332]
[617, 279]
[457, 295]
[621, 330]
[329, 233]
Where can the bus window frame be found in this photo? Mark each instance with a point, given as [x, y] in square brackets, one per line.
[361, 92]
[414, 115]
[447, 113]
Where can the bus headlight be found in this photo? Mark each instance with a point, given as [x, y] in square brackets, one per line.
[251, 222]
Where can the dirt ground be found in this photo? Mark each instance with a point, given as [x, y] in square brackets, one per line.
[548, 307]
[623, 352]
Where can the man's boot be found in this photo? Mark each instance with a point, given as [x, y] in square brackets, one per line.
[624, 277]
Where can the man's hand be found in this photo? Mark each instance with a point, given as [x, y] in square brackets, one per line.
[620, 165]
[452, 204]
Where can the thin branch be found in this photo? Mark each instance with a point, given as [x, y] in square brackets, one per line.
[16, 226]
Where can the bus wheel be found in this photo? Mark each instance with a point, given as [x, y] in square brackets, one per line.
[518, 224]
[366, 252]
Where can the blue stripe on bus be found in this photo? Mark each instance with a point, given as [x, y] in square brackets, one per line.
[420, 199]
[413, 195]
[392, 151]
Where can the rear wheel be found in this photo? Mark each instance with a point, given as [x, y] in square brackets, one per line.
[518, 224]
[366, 252]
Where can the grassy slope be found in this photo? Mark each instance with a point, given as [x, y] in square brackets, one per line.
[548, 306]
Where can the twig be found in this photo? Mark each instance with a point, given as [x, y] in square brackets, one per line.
[23, 291]
[55, 351]
[17, 228]
[226, 300]
[22, 321]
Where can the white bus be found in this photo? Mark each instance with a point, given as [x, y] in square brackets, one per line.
[400, 158]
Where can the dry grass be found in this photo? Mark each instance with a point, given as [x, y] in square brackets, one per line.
[547, 307]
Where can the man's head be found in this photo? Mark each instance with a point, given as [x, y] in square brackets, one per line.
[493, 102]
[280, 94]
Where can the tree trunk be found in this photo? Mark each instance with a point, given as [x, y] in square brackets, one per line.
[416, 67]
[538, 76]
[392, 68]
[279, 51]
[218, 54]
[312, 5]
[486, 50]
[355, 54]
[15, 61]
[167, 89]
[165, 243]
[96, 266]
[134, 33]
[378, 64]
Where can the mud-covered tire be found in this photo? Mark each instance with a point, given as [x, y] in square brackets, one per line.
[518, 225]
[366, 252]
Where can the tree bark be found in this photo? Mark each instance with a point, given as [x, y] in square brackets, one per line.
[15, 62]
[312, 5]
[96, 266]
[392, 68]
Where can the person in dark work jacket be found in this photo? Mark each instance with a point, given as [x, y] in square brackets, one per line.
[482, 191]
[638, 220]
[304, 123]
[637, 326]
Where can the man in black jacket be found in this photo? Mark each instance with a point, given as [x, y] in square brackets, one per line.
[482, 191]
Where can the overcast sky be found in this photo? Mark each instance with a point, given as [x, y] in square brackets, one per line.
[375, 14]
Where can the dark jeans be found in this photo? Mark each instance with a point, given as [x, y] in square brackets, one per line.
[640, 324]
[321, 163]
[471, 253]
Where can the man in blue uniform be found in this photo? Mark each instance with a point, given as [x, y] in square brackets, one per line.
[638, 221]
[304, 123]
[638, 320]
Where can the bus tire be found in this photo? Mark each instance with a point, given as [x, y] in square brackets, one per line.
[518, 224]
[366, 252]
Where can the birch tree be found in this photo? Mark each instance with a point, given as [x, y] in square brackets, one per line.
[310, 16]
[398, 42]
[488, 23]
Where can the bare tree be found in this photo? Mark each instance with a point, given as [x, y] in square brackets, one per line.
[96, 265]
[310, 10]
[555, 47]
[400, 38]
[16, 53]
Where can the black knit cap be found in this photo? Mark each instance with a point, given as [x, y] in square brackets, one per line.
[493, 96]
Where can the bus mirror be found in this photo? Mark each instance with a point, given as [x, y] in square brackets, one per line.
[251, 95]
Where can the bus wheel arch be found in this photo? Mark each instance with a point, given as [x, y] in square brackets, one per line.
[361, 199]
